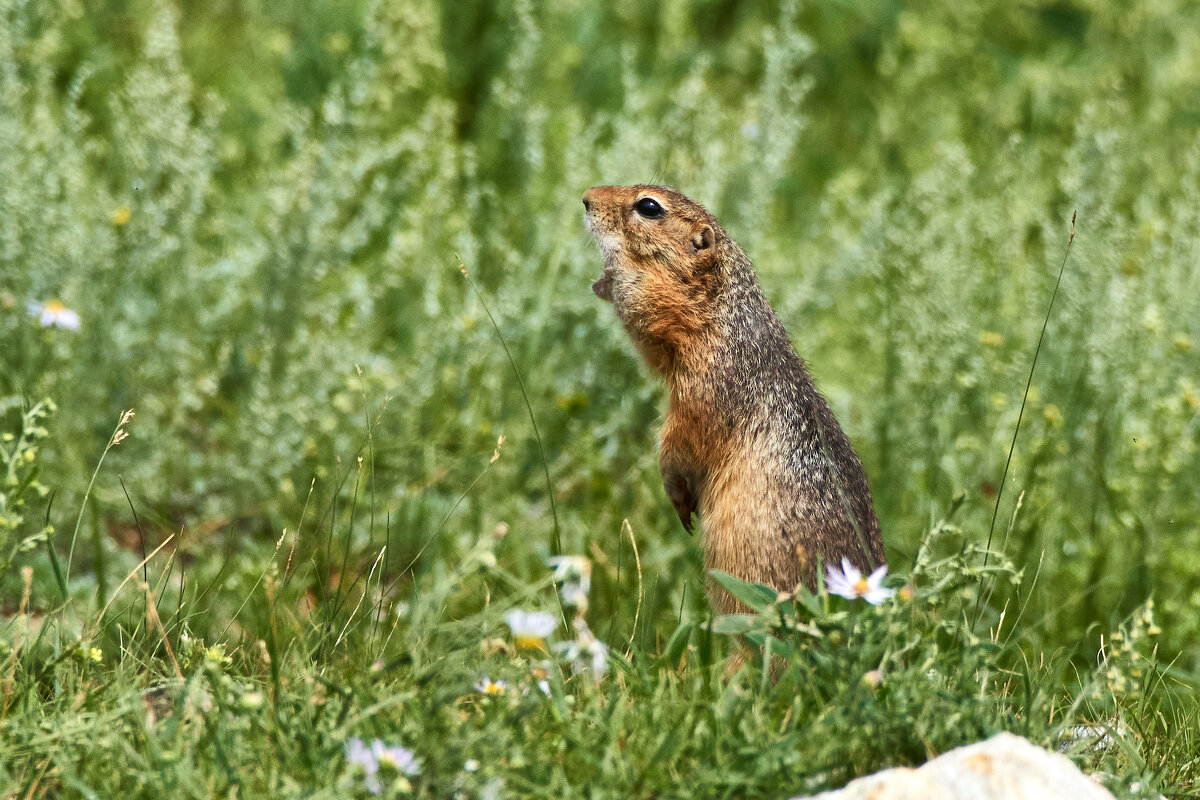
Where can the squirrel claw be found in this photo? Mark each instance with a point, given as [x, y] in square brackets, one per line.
[683, 497]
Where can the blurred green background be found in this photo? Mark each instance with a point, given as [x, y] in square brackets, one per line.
[258, 211]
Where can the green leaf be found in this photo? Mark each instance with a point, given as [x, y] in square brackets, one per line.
[678, 643]
[755, 595]
[668, 744]
[777, 647]
[59, 578]
[30, 477]
[809, 602]
[737, 624]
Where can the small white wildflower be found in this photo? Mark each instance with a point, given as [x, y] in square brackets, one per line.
[395, 757]
[530, 628]
[359, 755]
[53, 314]
[371, 759]
[586, 653]
[598, 650]
[471, 765]
[488, 686]
[574, 596]
[576, 569]
[493, 789]
[851, 584]
[544, 685]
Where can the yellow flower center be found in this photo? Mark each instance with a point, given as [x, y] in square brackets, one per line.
[861, 586]
[55, 306]
[493, 688]
[529, 642]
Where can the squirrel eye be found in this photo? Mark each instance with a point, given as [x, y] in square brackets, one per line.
[649, 208]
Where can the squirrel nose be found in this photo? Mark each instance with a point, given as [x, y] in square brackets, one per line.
[587, 205]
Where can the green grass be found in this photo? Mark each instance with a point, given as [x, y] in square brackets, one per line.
[259, 214]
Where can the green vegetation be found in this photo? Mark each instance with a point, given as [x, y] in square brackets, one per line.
[309, 534]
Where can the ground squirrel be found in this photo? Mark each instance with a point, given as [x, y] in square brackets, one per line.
[748, 442]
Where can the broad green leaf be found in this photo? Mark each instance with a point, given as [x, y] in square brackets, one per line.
[755, 595]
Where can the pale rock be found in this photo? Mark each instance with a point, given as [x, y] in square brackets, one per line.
[1005, 767]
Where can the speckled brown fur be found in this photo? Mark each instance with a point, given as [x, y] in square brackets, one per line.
[748, 442]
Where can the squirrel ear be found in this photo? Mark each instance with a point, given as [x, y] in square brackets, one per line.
[702, 239]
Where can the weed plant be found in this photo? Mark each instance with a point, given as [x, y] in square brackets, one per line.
[309, 532]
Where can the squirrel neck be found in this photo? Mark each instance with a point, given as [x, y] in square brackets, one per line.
[736, 364]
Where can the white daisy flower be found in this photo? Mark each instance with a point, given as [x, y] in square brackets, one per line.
[851, 584]
[395, 757]
[379, 756]
[361, 756]
[488, 686]
[572, 569]
[574, 596]
[530, 628]
[586, 653]
[53, 314]
[598, 651]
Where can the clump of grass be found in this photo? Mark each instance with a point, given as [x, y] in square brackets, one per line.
[19, 450]
[164, 696]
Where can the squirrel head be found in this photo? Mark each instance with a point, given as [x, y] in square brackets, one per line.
[662, 263]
